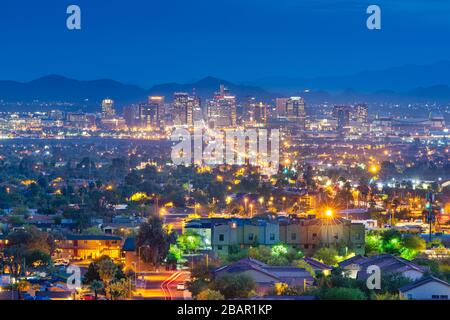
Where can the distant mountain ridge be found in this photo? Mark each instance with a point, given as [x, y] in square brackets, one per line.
[394, 85]
[55, 88]
[58, 88]
[401, 78]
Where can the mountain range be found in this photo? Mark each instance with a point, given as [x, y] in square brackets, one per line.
[409, 83]
[401, 79]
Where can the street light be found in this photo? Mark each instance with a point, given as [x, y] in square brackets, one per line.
[329, 213]
[196, 206]
[261, 201]
[245, 202]
[374, 169]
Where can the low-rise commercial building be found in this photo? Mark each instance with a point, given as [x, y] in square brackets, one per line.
[88, 247]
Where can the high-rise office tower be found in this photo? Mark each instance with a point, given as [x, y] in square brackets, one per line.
[183, 108]
[131, 115]
[342, 114]
[295, 107]
[222, 109]
[281, 106]
[295, 111]
[158, 103]
[361, 113]
[255, 113]
[108, 110]
[150, 112]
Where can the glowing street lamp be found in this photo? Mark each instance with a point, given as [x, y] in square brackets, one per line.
[374, 169]
[245, 203]
[329, 213]
[261, 201]
[196, 206]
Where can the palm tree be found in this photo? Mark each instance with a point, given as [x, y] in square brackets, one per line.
[96, 286]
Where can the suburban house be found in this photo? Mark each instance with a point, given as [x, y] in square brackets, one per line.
[351, 265]
[390, 264]
[87, 247]
[318, 266]
[122, 225]
[266, 276]
[427, 288]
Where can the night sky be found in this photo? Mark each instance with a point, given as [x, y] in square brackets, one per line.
[153, 41]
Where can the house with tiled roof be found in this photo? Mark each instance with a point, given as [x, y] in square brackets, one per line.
[427, 288]
[266, 276]
[390, 264]
[351, 266]
[318, 266]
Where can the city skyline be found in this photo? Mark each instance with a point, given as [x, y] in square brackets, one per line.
[225, 150]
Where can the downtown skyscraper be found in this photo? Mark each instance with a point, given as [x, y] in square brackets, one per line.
[222, 109]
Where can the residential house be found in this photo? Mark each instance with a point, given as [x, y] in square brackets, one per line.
[427, 288]
[351, 266]
[266, 276]
[318, 266]
[390, 264]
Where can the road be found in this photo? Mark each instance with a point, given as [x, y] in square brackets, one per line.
[161, 286]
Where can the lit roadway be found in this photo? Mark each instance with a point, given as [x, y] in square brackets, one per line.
[161, 286]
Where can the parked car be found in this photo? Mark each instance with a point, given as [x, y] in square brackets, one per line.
[181, 286]
[61, 263]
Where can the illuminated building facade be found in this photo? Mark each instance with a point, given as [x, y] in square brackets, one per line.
[222, 109]
[88, 247]
[108, 110]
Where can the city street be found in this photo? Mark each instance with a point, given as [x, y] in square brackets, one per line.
[161, 286]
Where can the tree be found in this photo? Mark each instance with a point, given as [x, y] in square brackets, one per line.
[234, 286]
[154, 241]
[174, 255]
[304, 265]
[96, 286]
[327, 256]
[93, 272]
[27, 247]
[209, 294]
[386, 296]
[415, 243]
[392, 282]
[93, 231]
[391, 241]
[107, 271]
[189, 241]
[197, 285]
[121, 289]
[343, 294]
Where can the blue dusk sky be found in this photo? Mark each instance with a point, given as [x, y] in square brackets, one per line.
[154, 41]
